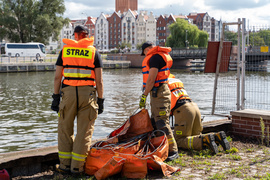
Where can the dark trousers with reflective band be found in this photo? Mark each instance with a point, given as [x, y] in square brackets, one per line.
[188, 126]
[77, 102]
[160, 109]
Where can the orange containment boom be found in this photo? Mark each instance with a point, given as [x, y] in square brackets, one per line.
[130, 150]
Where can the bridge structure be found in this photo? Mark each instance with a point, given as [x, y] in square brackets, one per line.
[201, 53]
[191, 59]
[182, 54]
[183, 57]
[257, 61]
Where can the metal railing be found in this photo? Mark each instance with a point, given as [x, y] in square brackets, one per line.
[189, 53]
[27, 59]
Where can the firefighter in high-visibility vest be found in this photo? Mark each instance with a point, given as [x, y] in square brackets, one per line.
[156, 70]
[80, 66]
[188, 125]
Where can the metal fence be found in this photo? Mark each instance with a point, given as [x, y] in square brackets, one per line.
[27, 59]
[246, 85]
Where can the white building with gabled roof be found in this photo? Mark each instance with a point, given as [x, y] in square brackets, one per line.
[129, 28]
[141, 27]
[102, 33]
[151, 28]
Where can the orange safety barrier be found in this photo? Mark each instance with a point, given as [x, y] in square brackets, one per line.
[131, 154]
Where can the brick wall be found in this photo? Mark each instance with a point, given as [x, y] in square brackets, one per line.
[247, 122]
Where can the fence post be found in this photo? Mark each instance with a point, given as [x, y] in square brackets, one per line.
[238, 64]
[243, 63]
[217, 68]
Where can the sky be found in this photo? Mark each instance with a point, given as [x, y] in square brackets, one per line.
[256, 12]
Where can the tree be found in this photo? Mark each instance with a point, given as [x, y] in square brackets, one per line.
[125, 45]
[203, 39]
[265, 35]
[231, 36]
[256, 40]
[31, 20]
[182, 32]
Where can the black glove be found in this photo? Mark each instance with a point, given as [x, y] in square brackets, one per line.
[100, 102]
[55, 102]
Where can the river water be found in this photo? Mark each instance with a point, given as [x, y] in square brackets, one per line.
[27, 121]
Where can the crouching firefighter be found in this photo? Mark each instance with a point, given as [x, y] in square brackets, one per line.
[188, 126]
[156, 69]
[80, 66]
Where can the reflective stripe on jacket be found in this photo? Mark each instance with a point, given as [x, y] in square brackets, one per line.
[78, 62]
[177, 91]
[163, 73]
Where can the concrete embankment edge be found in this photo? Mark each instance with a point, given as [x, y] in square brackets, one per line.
[30, 162]
[33, 67]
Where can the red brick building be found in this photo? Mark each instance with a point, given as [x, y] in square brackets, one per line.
[161, 30]
[124, 5]
[90, 24]
[114, 30]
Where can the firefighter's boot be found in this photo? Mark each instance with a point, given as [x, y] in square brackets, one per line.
[208, 142]
[221, 139]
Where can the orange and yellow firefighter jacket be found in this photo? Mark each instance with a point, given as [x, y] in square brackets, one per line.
[78, 62]
[177, 90]
[163, 73]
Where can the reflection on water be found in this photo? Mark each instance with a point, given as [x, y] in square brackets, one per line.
[27, 121]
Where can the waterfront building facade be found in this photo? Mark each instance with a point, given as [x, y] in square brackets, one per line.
[115, 29]
[151, 28]
[128, 28]
[141, 27]
[90, 24]
[202, 21]
[66, 32]
[161, 30]
[216, 27]
[101, 39]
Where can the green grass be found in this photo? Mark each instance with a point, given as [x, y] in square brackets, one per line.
[235, 157]
[217, 176]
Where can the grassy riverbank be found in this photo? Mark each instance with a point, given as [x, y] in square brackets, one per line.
[247, 160]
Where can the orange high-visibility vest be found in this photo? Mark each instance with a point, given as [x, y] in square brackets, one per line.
[78, 62]
[177, 91]
[163, 73]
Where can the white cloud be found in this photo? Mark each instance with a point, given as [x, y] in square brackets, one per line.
[255, 11]
[81, 10]
[159, 4]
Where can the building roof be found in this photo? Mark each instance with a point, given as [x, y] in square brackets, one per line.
[180, 16]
